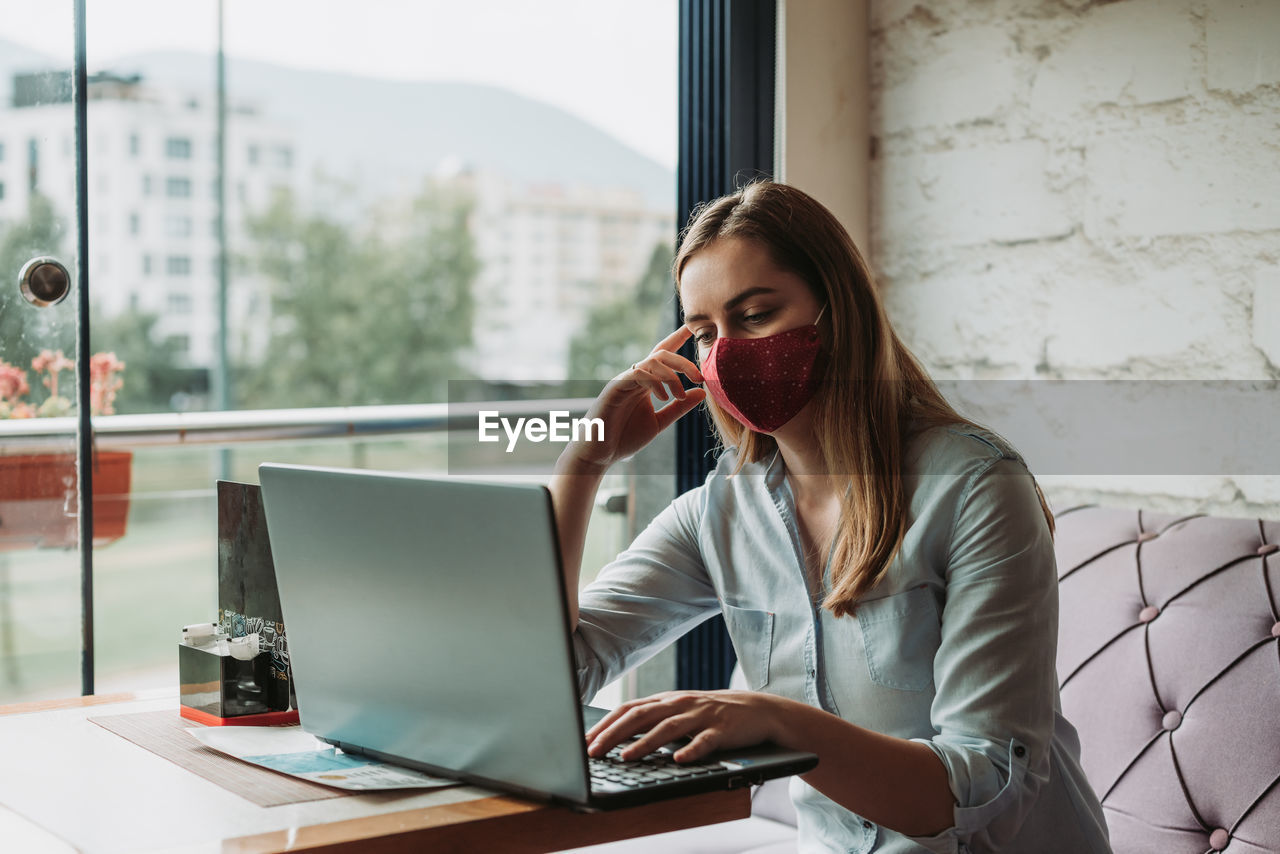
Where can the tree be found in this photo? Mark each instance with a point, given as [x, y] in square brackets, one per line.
[619, 332]
[362, 317]
[151, 376]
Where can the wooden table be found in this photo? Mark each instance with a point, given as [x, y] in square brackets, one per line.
[69, 785]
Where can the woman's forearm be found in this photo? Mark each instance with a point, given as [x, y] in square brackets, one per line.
[894, 782]
[573, 493]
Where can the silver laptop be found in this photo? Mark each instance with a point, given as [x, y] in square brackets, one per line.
[427, 626]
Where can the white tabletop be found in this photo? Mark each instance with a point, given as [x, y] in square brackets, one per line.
[103, 794]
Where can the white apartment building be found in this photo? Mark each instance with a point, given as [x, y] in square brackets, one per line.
[548, 253]
[152, 200]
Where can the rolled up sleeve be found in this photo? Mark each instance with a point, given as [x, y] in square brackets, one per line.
[647, 597]
[993, 712]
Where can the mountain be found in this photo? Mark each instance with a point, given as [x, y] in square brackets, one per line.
[389, 132]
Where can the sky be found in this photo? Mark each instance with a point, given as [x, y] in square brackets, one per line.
[610, 62]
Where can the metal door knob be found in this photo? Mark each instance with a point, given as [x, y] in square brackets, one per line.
[44, 281]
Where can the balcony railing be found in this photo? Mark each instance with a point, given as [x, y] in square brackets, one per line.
[266, 425]
[163, 573]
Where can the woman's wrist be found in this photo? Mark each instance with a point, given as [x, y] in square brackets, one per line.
[785, 720]
[569, 462]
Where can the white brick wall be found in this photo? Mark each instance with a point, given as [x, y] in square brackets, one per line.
[1188, 178]
[966, 76]
[1080, 190]
[1135, 52]
[1243, 44]
[1266, 315]
[975, 195]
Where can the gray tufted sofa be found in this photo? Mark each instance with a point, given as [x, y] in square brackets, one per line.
[1169, 666]
[1169, 662]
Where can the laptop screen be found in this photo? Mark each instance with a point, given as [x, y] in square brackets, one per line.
[426, 620]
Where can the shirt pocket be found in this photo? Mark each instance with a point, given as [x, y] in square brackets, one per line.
[901, 634]
[752, 634]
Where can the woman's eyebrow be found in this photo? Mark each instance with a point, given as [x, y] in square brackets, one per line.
[728, 306]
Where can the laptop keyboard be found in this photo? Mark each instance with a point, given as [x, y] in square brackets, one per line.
[613, 772]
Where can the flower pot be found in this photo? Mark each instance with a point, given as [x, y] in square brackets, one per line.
[38, 499]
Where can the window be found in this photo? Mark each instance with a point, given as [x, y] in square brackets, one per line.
[177, 226]
[287, 250]
[179, 304]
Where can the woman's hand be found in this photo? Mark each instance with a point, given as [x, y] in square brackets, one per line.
[715, 720]
[625, 406]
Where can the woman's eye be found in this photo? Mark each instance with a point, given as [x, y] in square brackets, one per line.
[757, 318]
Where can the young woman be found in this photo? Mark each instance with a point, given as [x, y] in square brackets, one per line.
[885, 567]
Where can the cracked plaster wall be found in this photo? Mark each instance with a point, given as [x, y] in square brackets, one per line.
[1084, 190]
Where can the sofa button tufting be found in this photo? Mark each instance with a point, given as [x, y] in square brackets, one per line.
[1148, 613]
[1019, 751]
[1268, 549]
[1171, 720]
[1146, 536]
[1219, 839]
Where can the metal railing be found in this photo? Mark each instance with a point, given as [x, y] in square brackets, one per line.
[266, 425]
[237, 428]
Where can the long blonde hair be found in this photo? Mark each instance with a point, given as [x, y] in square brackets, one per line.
[872, 392]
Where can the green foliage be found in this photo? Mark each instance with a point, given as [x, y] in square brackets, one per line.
[619, 332]
[24, 329]
[362, 317]
[152, 377]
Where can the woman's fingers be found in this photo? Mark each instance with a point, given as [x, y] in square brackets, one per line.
[676, 410]
[699, 746]
[607, 721]
[678, 363]
[661, 733]
[675, 340]
[659, 371]
[625, 721]
[659, 378]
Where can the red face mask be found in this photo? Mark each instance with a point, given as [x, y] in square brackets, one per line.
[764, 382]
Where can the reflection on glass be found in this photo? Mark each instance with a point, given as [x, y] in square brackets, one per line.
[39, 534]
[414, 193]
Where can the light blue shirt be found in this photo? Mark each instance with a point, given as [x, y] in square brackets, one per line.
[955, 648]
